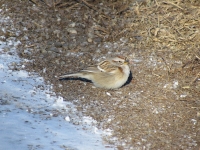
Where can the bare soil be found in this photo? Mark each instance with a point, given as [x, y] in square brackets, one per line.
[159, 108]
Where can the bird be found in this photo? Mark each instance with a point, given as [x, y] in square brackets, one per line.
[111, 73]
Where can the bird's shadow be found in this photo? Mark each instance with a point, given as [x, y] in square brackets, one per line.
[75, 78]
[129, 79]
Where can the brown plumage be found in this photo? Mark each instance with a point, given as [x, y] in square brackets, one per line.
[109, 74]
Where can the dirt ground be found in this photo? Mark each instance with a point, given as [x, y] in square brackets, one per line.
[159, 107]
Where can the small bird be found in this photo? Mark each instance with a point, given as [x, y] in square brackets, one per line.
[111, 73]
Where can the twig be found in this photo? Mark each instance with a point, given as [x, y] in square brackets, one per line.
[191, 61]
[37, 24]
[198, 57]
[33, 1]
[70, 7]
[105, 16]
[123, 8]
[101, 29]
[187, 63]
[173, 5]
[99, 35]
[70, 4]
[196, 78]
[44, 1]
[169, 68]
[159, 76]
[56, 3]
[88, 5]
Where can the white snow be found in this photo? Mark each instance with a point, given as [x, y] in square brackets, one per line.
[27, 112]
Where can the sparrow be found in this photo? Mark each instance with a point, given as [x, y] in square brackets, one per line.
[112, 73]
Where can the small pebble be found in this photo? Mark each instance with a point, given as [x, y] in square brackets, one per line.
[57, 44]
[198, 115]
[65, 46]
[108, 94]
[89, 40]
[72, 25]
[43, 51]
[97, 39]
[53, 49]
[72, 31]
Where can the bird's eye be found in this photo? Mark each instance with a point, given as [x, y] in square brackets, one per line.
[119, 61]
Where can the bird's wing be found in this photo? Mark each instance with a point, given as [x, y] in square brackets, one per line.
[106, 66]
[93, 69]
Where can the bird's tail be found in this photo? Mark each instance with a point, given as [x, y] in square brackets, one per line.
[70, 75]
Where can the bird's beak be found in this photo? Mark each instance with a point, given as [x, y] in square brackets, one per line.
[126, 62]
